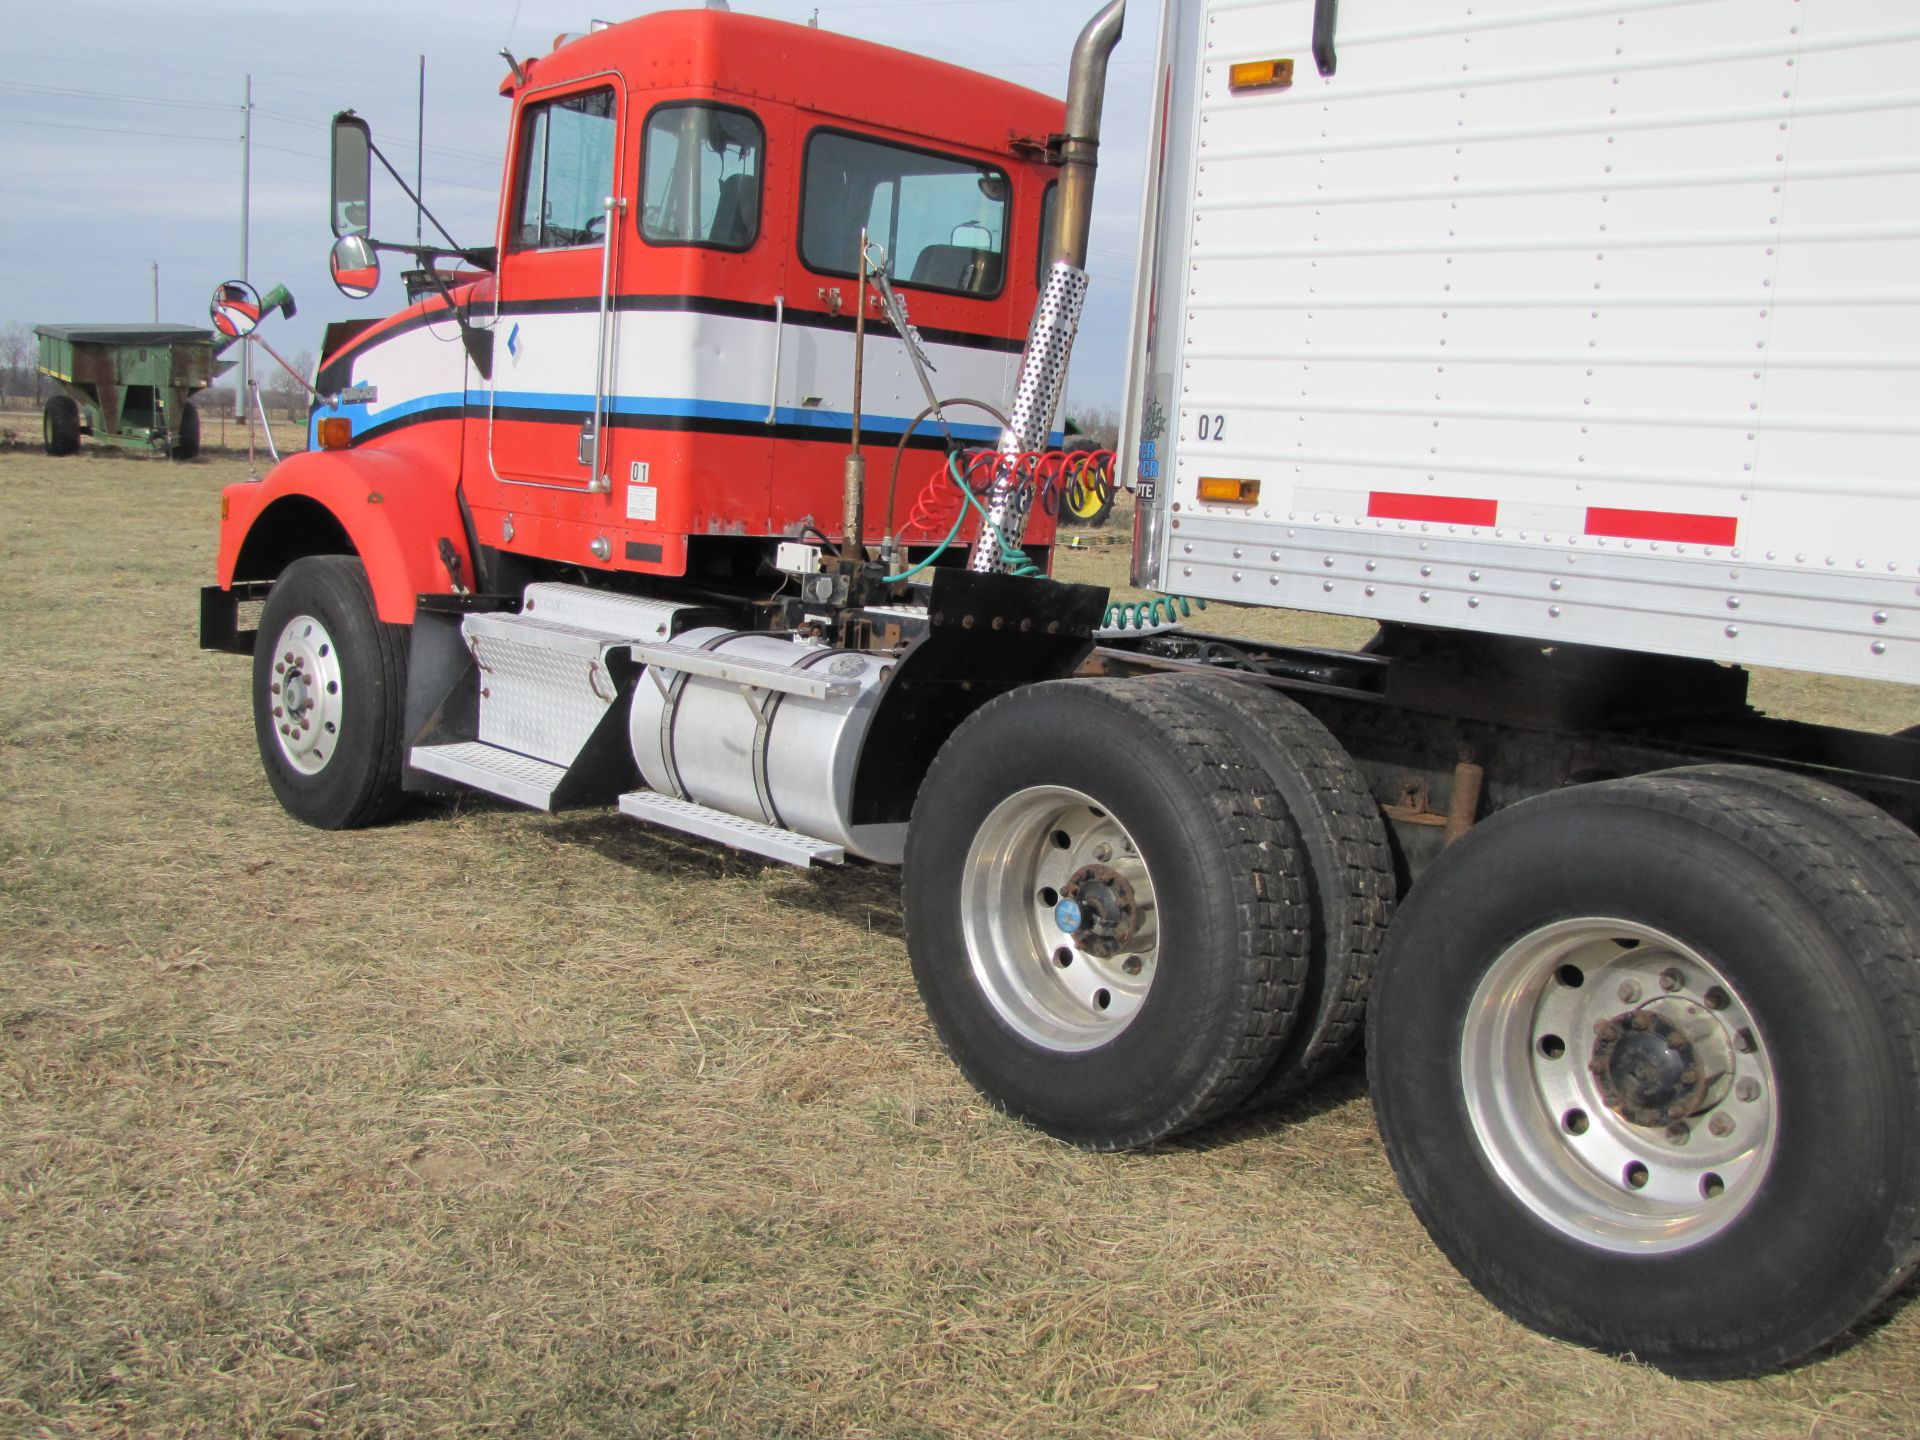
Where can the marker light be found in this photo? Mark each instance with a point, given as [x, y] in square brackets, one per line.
[336, 432]
[1260, 75]
[1217, 491]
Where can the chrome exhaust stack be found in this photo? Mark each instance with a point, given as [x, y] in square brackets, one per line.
[1056, 319]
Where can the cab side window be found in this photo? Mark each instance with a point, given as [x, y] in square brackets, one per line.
[700, 177]
[941, 220]
[565, 172]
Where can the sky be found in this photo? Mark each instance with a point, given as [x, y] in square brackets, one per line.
[120, 128]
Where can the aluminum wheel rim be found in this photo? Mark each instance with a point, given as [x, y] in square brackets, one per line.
[1051, 983]
[307, 694]
[1535, 1068]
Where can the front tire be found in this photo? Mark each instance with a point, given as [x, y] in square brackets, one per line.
[329, 692]
[1646, 1058]
[1104, 911]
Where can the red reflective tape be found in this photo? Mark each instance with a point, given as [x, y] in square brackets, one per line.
[1442, 509]
[1663, 525]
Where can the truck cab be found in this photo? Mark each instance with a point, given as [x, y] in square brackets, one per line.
[660, 373]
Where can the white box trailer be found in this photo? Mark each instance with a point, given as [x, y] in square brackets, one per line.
[1582, 322]
[1576, 344]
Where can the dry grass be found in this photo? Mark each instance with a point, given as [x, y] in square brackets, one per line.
[489, 1122]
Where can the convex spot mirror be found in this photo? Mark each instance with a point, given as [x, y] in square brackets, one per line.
[352, 175]
[235, 310]
[355, 266]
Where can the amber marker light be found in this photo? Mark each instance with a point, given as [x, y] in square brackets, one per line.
[336, 432]
[1260, 75]
[1217, 491]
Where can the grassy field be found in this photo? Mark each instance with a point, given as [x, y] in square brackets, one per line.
[489, 1122]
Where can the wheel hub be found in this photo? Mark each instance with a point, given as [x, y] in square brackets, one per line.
[1098, 908]
[1059, 912]
[307, 698]
[1661, 1063]
[1619, 1085]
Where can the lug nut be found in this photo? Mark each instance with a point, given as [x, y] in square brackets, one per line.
[1606, 1030]
[1642, 1020]
[1671, 979]
[1679, 1134]
[1629, 992]
[1748, 1089]
[1721, 1126]
[1716, 998]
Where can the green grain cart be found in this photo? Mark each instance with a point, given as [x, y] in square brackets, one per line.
[125, 385]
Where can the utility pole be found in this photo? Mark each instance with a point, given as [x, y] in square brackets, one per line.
[156, 292]
[245, 373]
[420, 155]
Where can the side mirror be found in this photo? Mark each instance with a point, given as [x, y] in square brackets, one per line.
[235, 310]
[352, 175]
[355, 266]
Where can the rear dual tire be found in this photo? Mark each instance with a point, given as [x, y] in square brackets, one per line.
[1716, 1189]
[1103, 911]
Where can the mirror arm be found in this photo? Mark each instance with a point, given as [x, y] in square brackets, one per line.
[401, 182]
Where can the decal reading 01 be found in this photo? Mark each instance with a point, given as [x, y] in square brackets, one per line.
[359, 395]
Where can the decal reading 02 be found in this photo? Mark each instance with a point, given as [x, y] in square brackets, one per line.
[359, 395]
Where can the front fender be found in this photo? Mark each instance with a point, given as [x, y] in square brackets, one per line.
[390, 506]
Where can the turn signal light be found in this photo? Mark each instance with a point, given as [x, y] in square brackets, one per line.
[1217, 491]
[336, 432]
[1260, 75]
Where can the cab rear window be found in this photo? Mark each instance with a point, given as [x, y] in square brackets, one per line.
[941, 220]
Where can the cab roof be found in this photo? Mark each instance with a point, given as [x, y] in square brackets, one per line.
[752, 57]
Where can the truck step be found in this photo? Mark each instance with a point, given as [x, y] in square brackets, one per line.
[750, 835]
[505, 773]
[740, 670]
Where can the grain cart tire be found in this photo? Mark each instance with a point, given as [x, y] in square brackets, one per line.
[186, 440]
[1104, 917]
[329, 688]
[1348, 868]
[60, 425]
[1090, 504]
[1646, 1058]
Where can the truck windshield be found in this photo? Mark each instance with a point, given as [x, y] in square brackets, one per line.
[566, 172]
[701, 179]
[942, 220]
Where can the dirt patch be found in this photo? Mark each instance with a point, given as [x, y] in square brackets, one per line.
[489, 1121]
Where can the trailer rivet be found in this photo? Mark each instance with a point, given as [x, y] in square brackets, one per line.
[1328, 562]
[1327, 585]
[1733, 602]
[1425, 596]
[1555, 583]
[1273, 579]
[1879, 647]
[1473, 602]
[1879, 617]
[1236, 577]
[1370, 592]
[1721, 1126]
[1474, 575]
[1733, 632]
[1553, 612]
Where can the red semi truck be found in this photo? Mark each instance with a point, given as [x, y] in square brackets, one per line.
[592, 523]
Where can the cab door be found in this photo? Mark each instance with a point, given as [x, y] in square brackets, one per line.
[554, 341]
